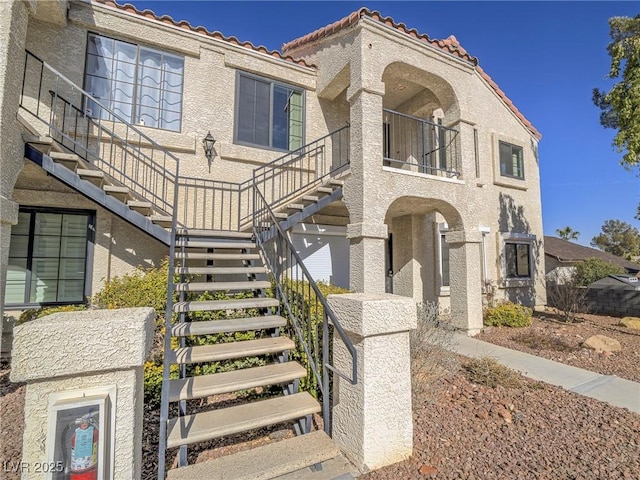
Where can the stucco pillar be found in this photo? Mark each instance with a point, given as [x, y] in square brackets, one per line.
[372, 421]
[75, 356]
[362, 191]
[465, 277]
[13, 32]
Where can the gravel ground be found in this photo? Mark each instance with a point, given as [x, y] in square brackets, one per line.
[535, 431]
[11, 423]
[550, 338]
[463, 430]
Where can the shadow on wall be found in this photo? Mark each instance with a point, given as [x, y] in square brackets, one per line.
[513, 220]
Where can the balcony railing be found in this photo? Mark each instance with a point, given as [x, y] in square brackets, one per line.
[417, 145]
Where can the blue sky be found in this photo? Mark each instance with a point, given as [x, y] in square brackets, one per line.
[546, 56]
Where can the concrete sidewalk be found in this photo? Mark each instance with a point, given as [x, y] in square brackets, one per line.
[606, 388]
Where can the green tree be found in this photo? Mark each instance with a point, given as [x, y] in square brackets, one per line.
[593, 269]
[568, 233]
[620, 106]
[618, 238]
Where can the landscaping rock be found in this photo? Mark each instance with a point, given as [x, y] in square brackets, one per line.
[602, 343]
[631, 322]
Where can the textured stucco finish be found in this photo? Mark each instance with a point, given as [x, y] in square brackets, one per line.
[372, 420]
[13, 30]
[82, 342]
[77, 351]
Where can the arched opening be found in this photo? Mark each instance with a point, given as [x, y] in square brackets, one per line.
[419, 122]
[417, 253]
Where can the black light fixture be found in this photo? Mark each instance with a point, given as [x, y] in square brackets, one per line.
[208, 143]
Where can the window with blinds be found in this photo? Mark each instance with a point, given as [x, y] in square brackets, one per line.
[139, 84]
[48, 257]
[268, 113]
[511, 161]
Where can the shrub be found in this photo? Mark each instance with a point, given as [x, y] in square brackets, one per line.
[32, 314]
[568, 297]
[488, 372]
[593, 269]
[509, 315]
[430, 343]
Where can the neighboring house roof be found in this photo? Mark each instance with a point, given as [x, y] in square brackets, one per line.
[449, 45]
[570, 252]
[183, 24]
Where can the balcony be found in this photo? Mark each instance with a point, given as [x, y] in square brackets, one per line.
[417, 145]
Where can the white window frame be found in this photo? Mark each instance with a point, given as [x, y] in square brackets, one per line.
[443, 290]
[272, 84]
[136, 104]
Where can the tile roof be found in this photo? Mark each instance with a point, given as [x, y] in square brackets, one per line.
[183, 24]
[566, 251]
[449, 45]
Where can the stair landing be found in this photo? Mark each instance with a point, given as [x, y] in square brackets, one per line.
[289, 459]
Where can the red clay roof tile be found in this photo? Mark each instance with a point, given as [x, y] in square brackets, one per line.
[183, 24]
[449, 45]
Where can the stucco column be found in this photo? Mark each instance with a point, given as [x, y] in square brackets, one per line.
[13, 32]
[362, 190]
[66, 357]
[372, 421]
[465, 278]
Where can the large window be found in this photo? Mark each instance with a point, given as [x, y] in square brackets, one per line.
[511, 162]
[517, 260]
[141, 85]
[48, 257]
[268, 113]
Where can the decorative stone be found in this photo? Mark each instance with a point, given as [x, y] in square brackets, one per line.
[602, 343]
[428, 470]
[630, 322]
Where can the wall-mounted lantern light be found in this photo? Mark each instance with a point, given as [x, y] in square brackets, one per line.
[208, 143]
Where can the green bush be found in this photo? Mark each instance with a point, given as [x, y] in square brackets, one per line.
[509, 315]
[32, 314]
[593, 269]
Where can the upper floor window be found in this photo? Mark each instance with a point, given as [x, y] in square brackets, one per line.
[48, 257]
[444, 260]
[511, 161]
[268, 113]
[139, 84]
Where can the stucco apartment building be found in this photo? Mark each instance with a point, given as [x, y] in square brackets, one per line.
[441, 191]
[388, 161]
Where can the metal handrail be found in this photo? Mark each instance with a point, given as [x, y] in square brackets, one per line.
[151, 171]
[267, 231]
[291, 174]
[417, 144]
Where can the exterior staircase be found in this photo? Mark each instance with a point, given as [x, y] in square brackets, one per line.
[239, 296]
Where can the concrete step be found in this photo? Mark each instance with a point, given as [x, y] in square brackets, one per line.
[206, 385]
[281, 215]
[204, 426]
[233, 304]
[119, 193]
[335, 181]
[161, 220]
[37, 139]
[94, 176]
[208, 327]
[266, 462]
[327, 190]
[69, 160]
[141, 207]
[216, 256]
[295, 206]
[219, 270]
[222, 286]
[213, 233]
[230, 351]
[180, 242]
[310, 198]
